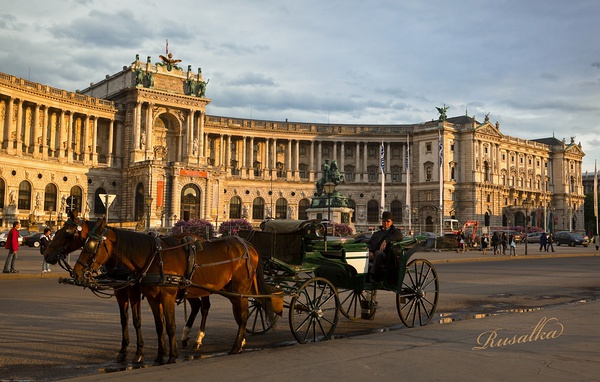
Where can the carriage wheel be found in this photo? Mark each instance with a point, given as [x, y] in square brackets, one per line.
[314, 311]
[351, 303]
[417, 299]
[258, 320]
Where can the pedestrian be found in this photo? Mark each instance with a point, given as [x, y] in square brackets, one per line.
[543, 242]
[504, 242]
[512, 245]
[495, 242]
[45, 242]
[379, 250]
[460, 242]
[550, 243]
[12, 244]
[484, 243]
[595, 241]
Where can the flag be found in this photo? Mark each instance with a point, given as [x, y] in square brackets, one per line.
[382, 207]
[596, 191]
[441, 149]
[441, 160]
[382, 158]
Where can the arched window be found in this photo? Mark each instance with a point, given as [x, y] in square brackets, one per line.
[396, 210]
[302, 207]
[235, 208]
[281, 206]
[99, 207]
[352, 204]
[139, 202]
[258, 209]
[190, 202]
[50, 196]
[372, 211]
[24, 202]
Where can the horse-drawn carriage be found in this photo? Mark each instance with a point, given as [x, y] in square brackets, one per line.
[286, 263]
[321, 279]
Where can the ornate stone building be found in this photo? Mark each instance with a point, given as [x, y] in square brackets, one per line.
[143, 135]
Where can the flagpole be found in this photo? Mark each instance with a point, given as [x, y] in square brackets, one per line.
[407, 165]
[382, 165]
[596, 196]
[441, 159]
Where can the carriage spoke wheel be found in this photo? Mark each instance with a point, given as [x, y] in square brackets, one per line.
[313, 311]
[418, 297]
[351, 303]
[258, 320]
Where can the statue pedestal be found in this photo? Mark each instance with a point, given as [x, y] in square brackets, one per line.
[9, 216]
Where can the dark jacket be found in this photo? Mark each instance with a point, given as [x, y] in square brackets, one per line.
[44, 242]
[391, 234]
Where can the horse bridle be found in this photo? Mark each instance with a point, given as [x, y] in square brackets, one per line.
[72, 228]
[92, 245]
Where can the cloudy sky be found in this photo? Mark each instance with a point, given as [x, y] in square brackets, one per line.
[534, 66]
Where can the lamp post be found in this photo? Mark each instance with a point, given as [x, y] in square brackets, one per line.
[149, 204]
[328, 188]
[526, 204]
[51, 210]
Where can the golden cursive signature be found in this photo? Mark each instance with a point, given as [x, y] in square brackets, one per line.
[546, 329]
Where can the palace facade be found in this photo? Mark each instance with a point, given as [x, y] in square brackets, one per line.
[140, 141]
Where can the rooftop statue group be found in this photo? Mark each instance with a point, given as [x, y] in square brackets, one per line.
[193, 86]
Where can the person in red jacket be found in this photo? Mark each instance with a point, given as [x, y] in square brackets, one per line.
[12, 244]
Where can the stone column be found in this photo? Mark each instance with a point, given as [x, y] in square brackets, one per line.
[111, 132]
[95, 141]
[69, 151]
[36, 131]
[19, 129]
[311, 174]
[45, 129]
[148, 128]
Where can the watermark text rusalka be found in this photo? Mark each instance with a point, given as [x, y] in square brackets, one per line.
[546, 329]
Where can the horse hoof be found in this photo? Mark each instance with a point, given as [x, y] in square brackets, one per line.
[185, 343]
[122, 357]
[138, 359]
[159, 361]
[172, 360]
[197, 347]
[235, 351]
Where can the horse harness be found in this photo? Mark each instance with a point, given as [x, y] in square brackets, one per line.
[94, 242]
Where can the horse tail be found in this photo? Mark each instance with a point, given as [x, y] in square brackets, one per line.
[273, 304]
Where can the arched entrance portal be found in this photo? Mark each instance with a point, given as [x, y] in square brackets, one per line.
[190, 202]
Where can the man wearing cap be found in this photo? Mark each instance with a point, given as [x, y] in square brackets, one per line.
[378, 245]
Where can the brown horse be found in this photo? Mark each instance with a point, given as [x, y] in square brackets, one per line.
[163, 266]
[70, 237]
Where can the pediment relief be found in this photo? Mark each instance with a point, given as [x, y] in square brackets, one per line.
[489, 129]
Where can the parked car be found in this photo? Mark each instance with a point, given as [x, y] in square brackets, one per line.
[570, 238]
[33, 240]
[516, 235]
[3, 236]
[534, 237]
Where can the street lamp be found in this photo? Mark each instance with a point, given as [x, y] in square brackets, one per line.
[51, 209]
[149, 204]
[328, 188]
[526, 204]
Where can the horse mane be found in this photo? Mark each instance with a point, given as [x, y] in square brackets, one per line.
[133, 245]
